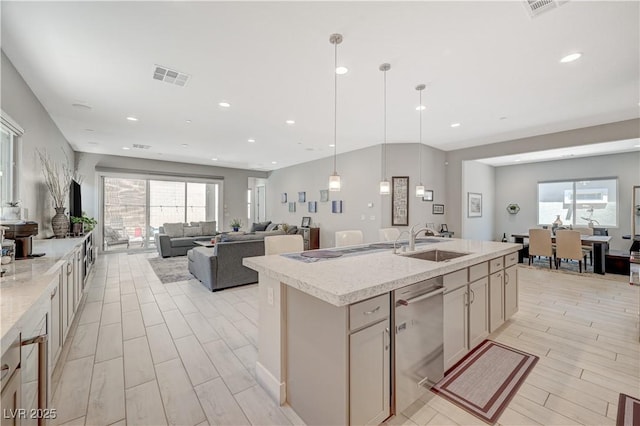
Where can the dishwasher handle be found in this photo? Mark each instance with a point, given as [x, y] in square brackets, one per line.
[402, 302]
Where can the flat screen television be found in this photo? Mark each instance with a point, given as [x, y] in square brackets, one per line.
[75, 201]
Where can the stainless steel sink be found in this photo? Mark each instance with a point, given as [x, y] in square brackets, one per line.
[437, 255]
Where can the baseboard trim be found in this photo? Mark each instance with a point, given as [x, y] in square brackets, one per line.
[274, 387]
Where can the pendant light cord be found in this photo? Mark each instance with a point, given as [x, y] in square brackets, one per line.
[420, 145]
[384, 157]
[335, 108]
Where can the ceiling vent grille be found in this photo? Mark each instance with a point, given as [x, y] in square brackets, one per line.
[170, 76]
[538, 7]
[140, 146]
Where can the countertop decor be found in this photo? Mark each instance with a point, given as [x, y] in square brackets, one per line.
[513, 208]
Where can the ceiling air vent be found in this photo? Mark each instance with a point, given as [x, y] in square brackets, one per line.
[538, 7]
[140, 146]
[170, 76]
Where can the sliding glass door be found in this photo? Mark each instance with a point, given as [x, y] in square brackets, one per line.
[125, 213]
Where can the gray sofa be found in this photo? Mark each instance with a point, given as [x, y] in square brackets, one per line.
[221, 266]
[178, 239]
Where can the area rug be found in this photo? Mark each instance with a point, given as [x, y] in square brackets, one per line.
[484, 382]
[628, 411]
[170, 269]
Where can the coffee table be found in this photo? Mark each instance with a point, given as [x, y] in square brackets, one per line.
[205, 243]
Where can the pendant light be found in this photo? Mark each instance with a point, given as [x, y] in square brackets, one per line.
[334, 179]
[385, 186]
[420, 187]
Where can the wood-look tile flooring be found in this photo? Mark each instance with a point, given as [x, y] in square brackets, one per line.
[143, 352]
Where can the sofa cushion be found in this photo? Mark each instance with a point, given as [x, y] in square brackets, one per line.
[208, 228]
[182, 242]
[269, 233]
[292, 230]
[246, 237]
[174, 230]
[192, 231]
[272, 227]
[261, 226]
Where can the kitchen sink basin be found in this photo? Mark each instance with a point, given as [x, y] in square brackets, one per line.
[437, 255]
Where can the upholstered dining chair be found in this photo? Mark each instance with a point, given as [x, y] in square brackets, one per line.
[389, 234]
[278, 244]
[568, 246]
[349, 238]
[540, 244]
[588, 248]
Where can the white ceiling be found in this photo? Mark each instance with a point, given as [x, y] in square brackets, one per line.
[272, 61]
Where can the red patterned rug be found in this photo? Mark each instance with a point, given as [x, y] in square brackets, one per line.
[484, 382]
[628, 411]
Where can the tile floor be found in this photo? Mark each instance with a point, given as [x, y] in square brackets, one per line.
[143, 352]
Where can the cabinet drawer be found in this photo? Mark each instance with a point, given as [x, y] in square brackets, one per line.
[510, 259]
[455, 280]
[478, 271]
[10, 361]
[496, 265]
[368, 311]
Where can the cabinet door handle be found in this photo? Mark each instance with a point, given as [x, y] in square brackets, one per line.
[373, 311]
[473, 294]
[506, 279]
[386, 346]
[69, 268]
[53, 293]
[43, 373]
[466, 298]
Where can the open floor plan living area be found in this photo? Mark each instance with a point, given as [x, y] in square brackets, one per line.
[320, 213]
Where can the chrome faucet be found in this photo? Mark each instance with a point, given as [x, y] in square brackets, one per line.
[395, 242]
[413, 235]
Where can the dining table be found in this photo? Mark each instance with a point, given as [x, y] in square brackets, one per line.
[599, 243]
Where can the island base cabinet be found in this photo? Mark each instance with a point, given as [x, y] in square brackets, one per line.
[478, 312]
[510, 291]
[496, 301]
[455, 326]
[369, 375]
[11, 401]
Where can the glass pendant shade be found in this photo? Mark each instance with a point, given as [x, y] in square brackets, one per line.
[334, 182]
[420, 191]
[385, 187]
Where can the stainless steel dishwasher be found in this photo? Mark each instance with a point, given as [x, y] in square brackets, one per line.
[419, 356]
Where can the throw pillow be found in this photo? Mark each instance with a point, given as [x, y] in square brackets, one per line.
[208, 228]
[272, 226]
[192, 231]
[174, 230]
[261, 226]
[292, 230]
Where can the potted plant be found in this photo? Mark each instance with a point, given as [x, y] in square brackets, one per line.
[236, 224]
[83, 224]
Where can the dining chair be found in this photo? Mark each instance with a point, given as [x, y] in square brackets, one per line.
[569, 246]
[388, 234]
[540, 244]
[278, 244]
[585, 230]
[349, 238]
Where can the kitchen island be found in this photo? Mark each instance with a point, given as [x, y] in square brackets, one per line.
[327, 333]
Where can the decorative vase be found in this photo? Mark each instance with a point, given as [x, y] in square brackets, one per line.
[558, 221]
[60, 223]
[78, 229]
[235, 229]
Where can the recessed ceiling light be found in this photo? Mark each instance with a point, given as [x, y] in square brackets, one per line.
[421, 108]
[81, 106]
[251, 140]
[571, 57]
[331, 145]
[274, 162]
[224, 104]
[455, 125]
[188, 121]
[342, 70]
[290, 122]
[184, 145]
[126, 148]
[503, 118]
[214, 159]
[637, 146]
[88, 130]
[132, 118]
[518, 160]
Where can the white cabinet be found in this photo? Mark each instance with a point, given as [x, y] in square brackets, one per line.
[496, 300]
[369, 374]
[510, 291]
[478, 311]
[455, 326]
[55, 326]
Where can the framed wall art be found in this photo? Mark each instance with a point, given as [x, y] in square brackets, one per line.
[302, 197]
[336, 206]
[438, 209]
[324, 195]
[283, 198]
[313, 206]
[400, 201]
[292, 207]
[428, 195]
[306, 222]
[474, 204]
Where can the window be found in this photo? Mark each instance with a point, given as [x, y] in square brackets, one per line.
[249, 205]
[10, 134]
[579, 202]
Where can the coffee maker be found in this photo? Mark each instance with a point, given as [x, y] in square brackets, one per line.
[22, 234]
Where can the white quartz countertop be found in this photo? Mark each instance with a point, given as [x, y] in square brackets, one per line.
[350, 279]
[29, 281]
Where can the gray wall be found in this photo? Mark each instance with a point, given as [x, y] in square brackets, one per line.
[234, 203]
[478, 178]
[360, 173]
[621, 130]
[519, 184]
[39, 132]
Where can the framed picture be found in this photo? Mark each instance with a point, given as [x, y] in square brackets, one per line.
[474, 204]
[313, 206]
[428, 195]
[336, 206]
[324, 195]
[444, 228]
[400, 201]
[302, 197]
[438, 209]
[306, 222]
[283, 198]
[292, 207]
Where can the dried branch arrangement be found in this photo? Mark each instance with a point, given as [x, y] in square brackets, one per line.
[57, 178]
